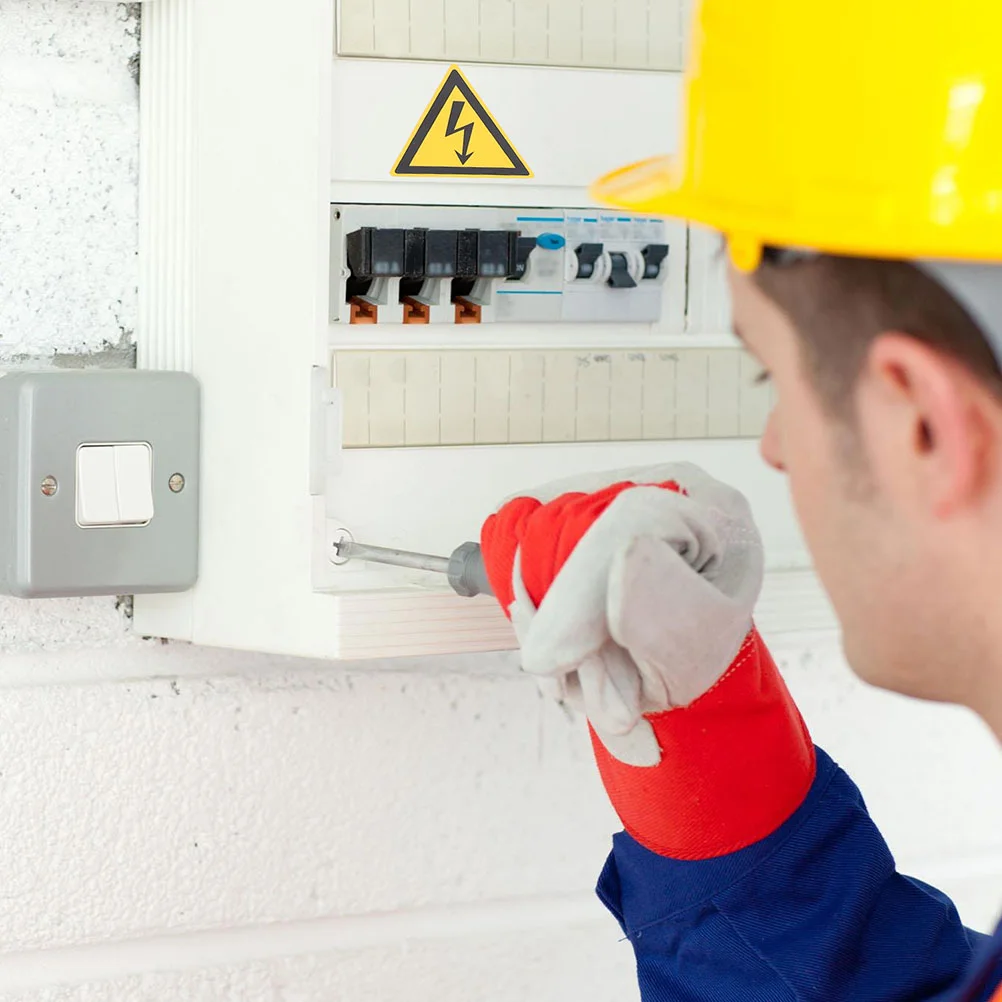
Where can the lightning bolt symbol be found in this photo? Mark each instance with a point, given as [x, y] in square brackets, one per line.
[454, 128]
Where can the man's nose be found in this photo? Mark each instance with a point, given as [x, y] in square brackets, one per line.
[769, 446]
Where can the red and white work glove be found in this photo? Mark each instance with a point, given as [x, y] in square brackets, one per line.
[631, 595]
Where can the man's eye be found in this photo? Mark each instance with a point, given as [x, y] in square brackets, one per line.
[763, 377]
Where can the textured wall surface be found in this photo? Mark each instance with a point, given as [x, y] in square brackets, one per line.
[69, 121]
[180, 823]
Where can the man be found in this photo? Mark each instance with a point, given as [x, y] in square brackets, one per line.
[851, 156]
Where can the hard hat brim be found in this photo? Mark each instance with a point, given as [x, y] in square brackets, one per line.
[657, 186]
[654, 185]
[895, 225]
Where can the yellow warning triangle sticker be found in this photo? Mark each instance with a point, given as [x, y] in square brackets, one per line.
[457, 136]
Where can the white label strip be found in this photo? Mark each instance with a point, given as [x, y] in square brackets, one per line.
[620, 34]
[429, 398]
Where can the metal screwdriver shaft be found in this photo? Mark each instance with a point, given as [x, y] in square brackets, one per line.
[464, 569]
[351, 550]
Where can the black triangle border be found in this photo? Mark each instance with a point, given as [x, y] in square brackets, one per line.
[455, 80]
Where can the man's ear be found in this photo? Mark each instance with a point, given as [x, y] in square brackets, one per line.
[929, 424]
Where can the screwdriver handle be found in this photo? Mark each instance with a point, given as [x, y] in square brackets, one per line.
[467, 573]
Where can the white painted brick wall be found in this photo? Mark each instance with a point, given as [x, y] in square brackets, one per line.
[178, 823]
[69, 118]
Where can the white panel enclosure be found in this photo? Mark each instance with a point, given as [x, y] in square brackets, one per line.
[236, 249]
[569, 126]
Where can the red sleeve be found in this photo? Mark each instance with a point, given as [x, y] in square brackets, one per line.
[735, 764]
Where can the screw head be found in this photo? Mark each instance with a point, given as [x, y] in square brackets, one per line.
[340, 536]
[49, 486]
[176, 483]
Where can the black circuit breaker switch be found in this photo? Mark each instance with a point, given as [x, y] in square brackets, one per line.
[467, 257]
[375, 253]
[519, 249]
[387, 253]
[414, 253]
[440, 248]
[654, 255]
[588, 255]
[619, 276]
[358, 247]
[492, 254]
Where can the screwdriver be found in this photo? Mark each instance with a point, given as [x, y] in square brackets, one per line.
[464, 569]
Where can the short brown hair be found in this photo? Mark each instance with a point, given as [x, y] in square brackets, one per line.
[839, 305]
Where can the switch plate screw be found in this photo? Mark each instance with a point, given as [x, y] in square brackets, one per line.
[176, 483]
[49, 486]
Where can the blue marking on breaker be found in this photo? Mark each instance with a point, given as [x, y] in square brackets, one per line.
[551, 241]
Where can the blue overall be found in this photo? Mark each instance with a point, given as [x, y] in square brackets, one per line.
[816, 912]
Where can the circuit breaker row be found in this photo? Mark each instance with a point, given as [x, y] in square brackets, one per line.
[548, 267]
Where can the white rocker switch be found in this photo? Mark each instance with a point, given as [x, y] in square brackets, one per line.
[114, 484]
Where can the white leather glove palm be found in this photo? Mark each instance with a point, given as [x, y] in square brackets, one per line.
[650, 608]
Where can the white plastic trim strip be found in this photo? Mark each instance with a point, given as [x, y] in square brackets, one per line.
[166, 189]
[388, 624]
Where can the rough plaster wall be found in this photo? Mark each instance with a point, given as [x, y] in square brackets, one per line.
[69, 117]
[188, 823]
[178, 823]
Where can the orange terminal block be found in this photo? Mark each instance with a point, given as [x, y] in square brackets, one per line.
[416, 312]
[363, 312]
[467, 312]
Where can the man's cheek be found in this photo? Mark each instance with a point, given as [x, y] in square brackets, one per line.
[811, 489]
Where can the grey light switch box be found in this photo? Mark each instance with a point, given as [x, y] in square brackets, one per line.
[98, 482]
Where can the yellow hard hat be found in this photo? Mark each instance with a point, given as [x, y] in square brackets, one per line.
[863, 127]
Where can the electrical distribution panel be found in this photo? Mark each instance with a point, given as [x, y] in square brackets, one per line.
[504, 334]
[471, 265]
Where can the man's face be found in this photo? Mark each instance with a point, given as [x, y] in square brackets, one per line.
[870, 554]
